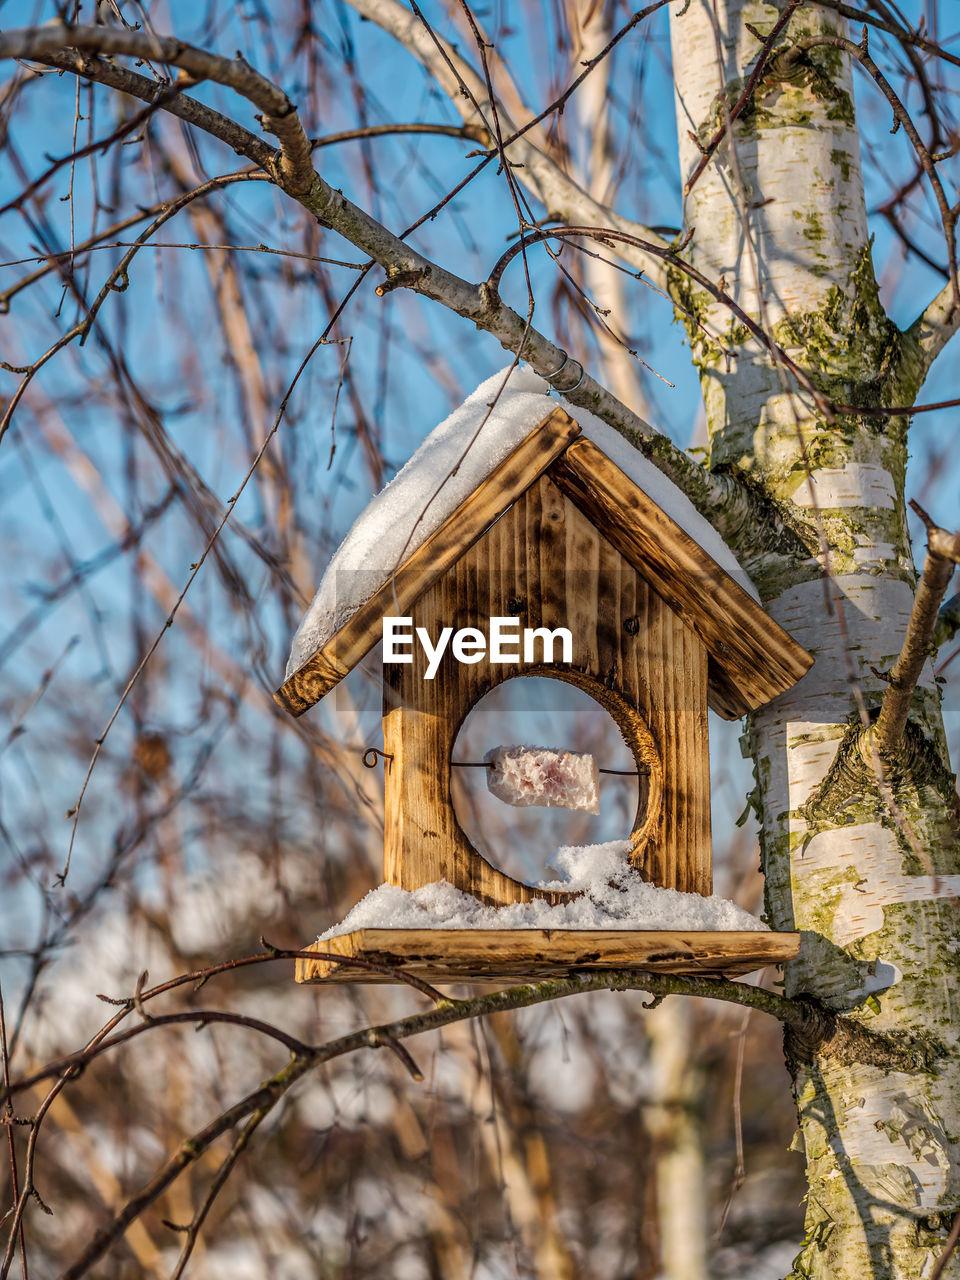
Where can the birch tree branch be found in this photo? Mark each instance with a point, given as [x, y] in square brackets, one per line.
[943, 556]
[292, 171]
[278, 114]
[935, 326]
[468, 132]
[541, 175]
[181, 105]
[813, 1032]
[820, 1030]
[907, 37]
[812, 1029]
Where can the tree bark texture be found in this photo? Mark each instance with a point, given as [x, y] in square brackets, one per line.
[860, 854]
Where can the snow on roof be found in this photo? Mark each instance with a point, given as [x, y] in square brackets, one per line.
[612, 895]
[454, 459]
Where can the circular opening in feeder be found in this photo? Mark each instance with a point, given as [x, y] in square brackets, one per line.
[536, 711]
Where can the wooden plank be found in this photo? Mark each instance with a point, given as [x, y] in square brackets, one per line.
[325, 668]
[752, 658]
[631, 653]
[491, 955]
[681, 856]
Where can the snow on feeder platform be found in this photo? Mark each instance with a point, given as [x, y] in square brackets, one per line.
[555, 522]
[608, 917]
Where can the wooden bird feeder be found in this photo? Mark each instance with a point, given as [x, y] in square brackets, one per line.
[561, 537]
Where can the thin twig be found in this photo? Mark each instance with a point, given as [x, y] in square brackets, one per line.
[17, 1228]
[216, 1186]
[69, 254]
[99, 144]
[740, 1170]
[468, 132]
[948, 1249]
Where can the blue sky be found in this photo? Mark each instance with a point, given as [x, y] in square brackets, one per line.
[411, 363]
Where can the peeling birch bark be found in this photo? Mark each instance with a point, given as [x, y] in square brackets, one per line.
[868, 872]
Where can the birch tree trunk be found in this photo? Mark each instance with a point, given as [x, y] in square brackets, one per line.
[675, 1127]
[590, 28]
[861, 858]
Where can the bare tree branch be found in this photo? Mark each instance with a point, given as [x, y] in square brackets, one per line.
[540, 174]
[278, 114]
[814, 1031]
[181, 105]
[935, 326]
[821, 1031]
[17, 1233]
[902, 33]
[943, 556]
[404, 266]
[216, 1186]
[467, 132]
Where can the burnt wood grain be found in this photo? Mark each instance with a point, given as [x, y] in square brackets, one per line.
[493, 955]
[354, 640]
[752, 658]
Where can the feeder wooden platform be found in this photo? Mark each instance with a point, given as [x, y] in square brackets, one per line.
[492, 955]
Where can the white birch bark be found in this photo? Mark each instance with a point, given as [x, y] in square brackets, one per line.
[782, 216]
[590, 30]
[673, 1124]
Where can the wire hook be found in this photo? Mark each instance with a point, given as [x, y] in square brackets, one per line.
[549, 377]
[583, 373]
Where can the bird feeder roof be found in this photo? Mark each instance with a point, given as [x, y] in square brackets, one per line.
[467, 472]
